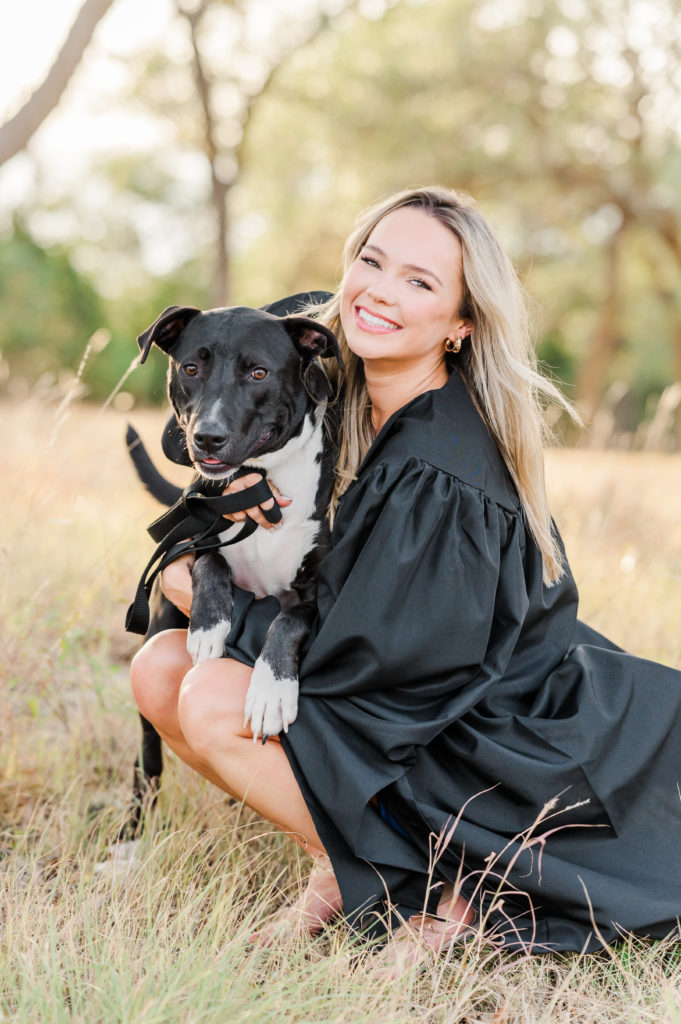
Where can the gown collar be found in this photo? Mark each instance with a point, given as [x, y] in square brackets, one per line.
[444, 428]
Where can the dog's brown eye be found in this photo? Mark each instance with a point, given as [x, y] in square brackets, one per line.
[259, 373]
[191, 369]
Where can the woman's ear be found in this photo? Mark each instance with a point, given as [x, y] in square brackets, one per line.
[462, 329]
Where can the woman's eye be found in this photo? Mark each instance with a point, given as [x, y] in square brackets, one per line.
[371, 261]
[259, 373]
[420, 283]
[191, 369]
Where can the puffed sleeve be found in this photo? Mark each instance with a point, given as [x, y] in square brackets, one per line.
[410, 606]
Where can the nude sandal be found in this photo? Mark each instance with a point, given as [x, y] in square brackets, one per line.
[297, 919]
[420, 936]
[439, 933]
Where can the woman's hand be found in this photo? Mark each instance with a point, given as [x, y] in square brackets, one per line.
[256, 513]
[176, 583]
[176, 578]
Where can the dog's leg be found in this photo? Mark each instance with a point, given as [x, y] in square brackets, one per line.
[145, 781]
[149, 762]
[212, 604]
[272, 697]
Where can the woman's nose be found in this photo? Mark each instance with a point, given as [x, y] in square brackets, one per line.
[382, 290]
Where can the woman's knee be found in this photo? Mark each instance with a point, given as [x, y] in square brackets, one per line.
[156, 673]
[211, 705]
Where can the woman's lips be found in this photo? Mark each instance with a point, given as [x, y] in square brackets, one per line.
[373, 323]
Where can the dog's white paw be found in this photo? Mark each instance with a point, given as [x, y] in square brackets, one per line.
[203, 644]
[271, 704]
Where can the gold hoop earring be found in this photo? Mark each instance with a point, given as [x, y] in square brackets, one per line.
[453, 345]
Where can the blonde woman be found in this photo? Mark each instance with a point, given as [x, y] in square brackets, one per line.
[465, 749]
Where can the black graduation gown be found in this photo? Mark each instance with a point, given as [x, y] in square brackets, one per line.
[445, 677]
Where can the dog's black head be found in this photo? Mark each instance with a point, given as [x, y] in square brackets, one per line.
[241, 381]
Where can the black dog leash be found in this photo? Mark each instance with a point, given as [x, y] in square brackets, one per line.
[198, 516]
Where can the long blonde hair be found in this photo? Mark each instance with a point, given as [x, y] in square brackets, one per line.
[497, 361]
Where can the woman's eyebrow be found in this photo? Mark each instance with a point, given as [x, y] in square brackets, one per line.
[407, 266]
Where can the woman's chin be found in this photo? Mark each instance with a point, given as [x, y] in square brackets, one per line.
[374, 347]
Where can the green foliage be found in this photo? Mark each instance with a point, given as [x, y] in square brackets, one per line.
[555, 358]
[51, 311]
[48, 310]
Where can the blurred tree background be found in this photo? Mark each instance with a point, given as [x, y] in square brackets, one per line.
[275, 122]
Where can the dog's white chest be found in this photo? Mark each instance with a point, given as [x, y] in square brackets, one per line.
[267, 562]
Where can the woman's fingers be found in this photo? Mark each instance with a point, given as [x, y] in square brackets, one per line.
[255, 513]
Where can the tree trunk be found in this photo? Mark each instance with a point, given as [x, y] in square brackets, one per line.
[593, 371]
[219, 189]
[17, 132]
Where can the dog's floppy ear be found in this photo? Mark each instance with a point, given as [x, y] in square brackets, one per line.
[294, 303]
[312, 338]
[166, 329]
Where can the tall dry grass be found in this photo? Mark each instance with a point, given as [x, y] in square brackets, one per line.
[163, 938]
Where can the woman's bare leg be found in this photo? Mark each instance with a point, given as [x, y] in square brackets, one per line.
[211, 714]
[199, 711]
[156, 676]
[199, 714]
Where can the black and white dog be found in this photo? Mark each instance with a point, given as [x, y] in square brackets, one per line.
[248, 392]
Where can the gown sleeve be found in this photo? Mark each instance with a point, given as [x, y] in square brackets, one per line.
[408, 604]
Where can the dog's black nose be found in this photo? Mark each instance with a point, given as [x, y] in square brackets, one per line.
[208, 442]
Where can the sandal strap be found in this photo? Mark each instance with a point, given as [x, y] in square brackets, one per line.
[432, 928]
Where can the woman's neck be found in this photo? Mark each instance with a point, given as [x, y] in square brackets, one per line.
[390, 389]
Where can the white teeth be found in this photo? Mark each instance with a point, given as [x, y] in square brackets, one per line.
[376, 321]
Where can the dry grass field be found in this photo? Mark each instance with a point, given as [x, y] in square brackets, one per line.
[163, 939]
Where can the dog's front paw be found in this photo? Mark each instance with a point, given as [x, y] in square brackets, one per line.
[203, 644]
[271, 703]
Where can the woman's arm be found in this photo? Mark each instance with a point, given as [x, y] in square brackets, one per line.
[176, 583]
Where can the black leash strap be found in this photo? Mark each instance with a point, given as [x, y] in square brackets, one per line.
[199, 517]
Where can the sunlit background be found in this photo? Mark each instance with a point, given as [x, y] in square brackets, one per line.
[214, 152]
[217, 152]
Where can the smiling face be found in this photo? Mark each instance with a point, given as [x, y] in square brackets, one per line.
[401, 296]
